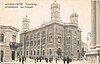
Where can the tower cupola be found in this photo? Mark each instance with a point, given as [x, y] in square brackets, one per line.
[74, 18]
[25, 23]
[55, 11]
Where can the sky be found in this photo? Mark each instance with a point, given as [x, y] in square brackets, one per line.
[42, 12]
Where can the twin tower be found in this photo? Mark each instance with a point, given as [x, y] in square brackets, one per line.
[55, 16]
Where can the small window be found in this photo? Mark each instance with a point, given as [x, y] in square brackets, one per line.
[38, 42]
[43, 52]
[31, 52]
[43, 34]
[21, 44]
[31, 36]
[75, 32]
[2, 53]
[34, 36]
[21, 52]
[27, 44]
[37, 52]
[34, 42]
[50, 39]
[27, 37]
[17, 54]
[34, 52]
[14, 38]
[38, 35]
[43, 41]
[27, 52]
[77, 51]
[31, 43]
[59, 39]
[78, 43]
[50, 51]
[1, 37]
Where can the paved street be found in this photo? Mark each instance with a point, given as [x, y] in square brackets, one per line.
[31, 61]
[53, 62]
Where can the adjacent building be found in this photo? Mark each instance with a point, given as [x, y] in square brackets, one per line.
[8, 43]
[93, 55]
[52, 39]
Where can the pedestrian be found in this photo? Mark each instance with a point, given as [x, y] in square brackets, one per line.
[25, 59]
[46, 60]
[37, 59]
[40, 59]
[2, 58]
[56, 60]
[50, 60]
[22, 59]
[68, 60]
[19, 59]
[64, 60]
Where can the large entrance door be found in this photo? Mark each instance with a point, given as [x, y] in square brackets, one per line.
[2, 54]
[13, 55]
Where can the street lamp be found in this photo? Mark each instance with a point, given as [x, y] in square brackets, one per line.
[24, 48]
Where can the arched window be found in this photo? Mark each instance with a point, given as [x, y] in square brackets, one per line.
[34, 42]
[50, 38]
[31, 44]
[34, 52]
[14, 38]
[50, 51]
[59, 51]
[31, 36]
[21, 52]
[38, 42]
[43, 52]
[27, 43]
[43, 41]
[38, 35]
[31, 52]
[1, 37]
[59, 39]
[37, 52]
[78, 43]
[27, 37]
[34, 36]
[27, 52]
[43, 35]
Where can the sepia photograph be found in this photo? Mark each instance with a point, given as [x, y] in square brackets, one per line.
[49, 31]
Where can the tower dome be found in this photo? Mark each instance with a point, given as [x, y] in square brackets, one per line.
[74, 15]
[74, 18]
[25, 23]
[55, 5]
[55, 11]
